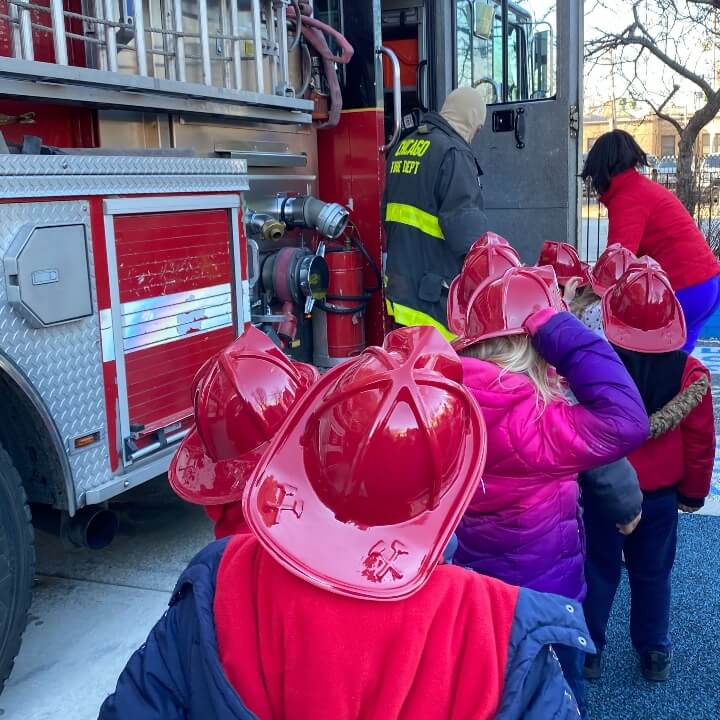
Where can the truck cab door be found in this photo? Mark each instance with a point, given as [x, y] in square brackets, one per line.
[527, 58]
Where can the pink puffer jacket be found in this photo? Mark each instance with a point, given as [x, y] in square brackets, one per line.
[524, 526]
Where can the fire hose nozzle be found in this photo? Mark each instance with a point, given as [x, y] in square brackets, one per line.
[329, 219]
[266, 226]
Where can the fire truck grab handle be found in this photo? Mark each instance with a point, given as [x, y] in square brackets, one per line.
[422, 65]
[397, 97]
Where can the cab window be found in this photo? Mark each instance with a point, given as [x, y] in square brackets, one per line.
[522, 68]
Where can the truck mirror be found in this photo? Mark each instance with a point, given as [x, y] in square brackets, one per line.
[483, 15]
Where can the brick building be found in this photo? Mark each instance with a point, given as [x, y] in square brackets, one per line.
[657, 137]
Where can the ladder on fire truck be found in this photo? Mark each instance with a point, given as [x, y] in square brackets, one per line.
[154, 55]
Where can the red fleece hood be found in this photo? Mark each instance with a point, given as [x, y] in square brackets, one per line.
[296, 652]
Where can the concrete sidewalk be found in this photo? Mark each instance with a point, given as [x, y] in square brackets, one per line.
[91, 610]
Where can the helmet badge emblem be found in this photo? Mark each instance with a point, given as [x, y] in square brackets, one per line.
[282, 498]
[381, 561]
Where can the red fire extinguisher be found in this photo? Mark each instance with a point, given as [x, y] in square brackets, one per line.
[339, 321]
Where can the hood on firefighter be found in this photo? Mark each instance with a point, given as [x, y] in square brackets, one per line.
[465, 111]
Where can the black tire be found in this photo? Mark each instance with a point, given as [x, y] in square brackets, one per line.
[17, 564]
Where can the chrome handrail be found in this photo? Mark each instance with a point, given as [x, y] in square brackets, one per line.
[130, 45]
[397, 96]
[494, 84]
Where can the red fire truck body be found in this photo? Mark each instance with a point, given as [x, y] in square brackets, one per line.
[114, 296]
[172, 171]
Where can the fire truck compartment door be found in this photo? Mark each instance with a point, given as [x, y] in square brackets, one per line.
[47, 274]
[529, 147]
[177, 299]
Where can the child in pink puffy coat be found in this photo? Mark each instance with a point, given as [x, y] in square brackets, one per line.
[524, 525]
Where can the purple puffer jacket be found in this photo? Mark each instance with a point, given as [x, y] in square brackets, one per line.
[525, 526]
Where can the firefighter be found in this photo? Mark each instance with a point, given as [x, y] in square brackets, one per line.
[337, 606]
[240, 398]
[433, 210]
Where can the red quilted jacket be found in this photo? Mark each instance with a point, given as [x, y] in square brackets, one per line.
[649, 220]
[683, 457]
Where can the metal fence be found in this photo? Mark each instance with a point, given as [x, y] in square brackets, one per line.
[706, 184]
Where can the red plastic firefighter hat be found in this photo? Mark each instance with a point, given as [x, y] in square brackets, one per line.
[363, 487]
[645, 262]
[502, 306]
[485, 263]
[641, 311]
[240, 397]
[610, 267]
[489, 239]
[547, 273]
[563, 258]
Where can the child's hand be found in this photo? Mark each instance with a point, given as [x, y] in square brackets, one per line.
[687, 508]
[630, 527]
[570, 289]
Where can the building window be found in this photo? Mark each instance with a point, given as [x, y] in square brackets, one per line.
[705, 144]
[716, 144]
[667, 146]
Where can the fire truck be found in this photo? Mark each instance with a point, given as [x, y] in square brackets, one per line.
[174, 170]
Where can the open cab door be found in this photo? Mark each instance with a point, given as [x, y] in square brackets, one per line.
[527, 57]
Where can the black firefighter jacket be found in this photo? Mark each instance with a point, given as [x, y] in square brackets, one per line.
[433, 212]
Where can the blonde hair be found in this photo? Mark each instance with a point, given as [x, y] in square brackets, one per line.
[516, 354]
[582, 301]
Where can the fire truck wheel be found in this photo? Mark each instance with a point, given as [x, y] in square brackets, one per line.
[17, 563]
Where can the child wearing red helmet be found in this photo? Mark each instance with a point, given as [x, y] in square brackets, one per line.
[523, 526]
[566, 263]
[240, 399]
[644, 321]
[336, 606]
[584, 298]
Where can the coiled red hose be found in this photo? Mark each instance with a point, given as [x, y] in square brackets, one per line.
[314, 32]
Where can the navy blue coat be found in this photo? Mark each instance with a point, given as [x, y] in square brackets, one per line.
[177, 673]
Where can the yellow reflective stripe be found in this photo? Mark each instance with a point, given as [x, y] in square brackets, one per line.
[410, 215]
[410, 318]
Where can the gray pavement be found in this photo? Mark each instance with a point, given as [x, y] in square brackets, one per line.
[91, 610]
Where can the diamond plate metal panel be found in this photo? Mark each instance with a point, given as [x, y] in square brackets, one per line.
[63, 363]
[110, 165]
[82, 186]
[26, 176]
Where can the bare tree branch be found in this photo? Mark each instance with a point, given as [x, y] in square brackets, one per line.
[656, 54]
[663, 115]
[629, 37]
[673, 64]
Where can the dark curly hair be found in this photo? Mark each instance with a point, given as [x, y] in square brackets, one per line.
[613, 153]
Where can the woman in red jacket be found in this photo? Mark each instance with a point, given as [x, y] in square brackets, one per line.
[644, 322]
[648, 219]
